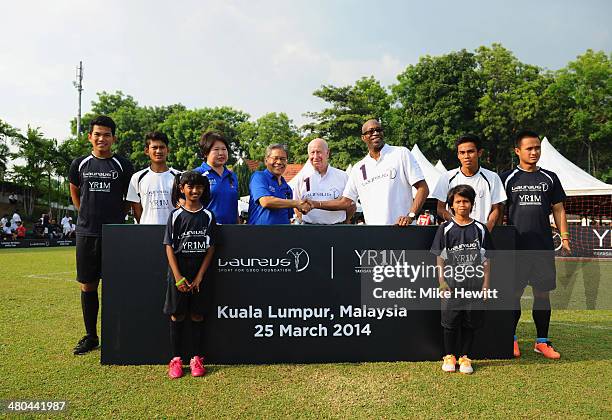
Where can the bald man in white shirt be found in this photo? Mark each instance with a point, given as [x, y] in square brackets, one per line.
[321, 182]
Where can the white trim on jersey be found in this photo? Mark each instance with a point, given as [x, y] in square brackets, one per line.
[87, 159]
[175, 216]
[509, 177]
[117, 162]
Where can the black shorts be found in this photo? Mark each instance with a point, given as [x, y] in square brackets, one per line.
[180, 303]
[536, 269]
[457, 313]
[88, 258]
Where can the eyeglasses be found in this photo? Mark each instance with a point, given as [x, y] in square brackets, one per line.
[372, 131]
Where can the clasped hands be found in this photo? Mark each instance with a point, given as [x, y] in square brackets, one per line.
[305, 206]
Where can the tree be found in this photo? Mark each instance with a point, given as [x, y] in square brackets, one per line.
[7, 133]
[133, 122]
[40, 156]
[437, 101]
[340, 123]
[580, 104]
[185, 128]
[272, 128]
[510, 101]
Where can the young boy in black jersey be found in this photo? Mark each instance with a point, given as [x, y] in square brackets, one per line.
[533, 193]
[98, 185]
[462, 245]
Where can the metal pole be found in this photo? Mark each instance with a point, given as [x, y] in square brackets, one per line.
[79, 85]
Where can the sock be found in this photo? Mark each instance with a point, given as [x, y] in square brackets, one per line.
[196, 337]
[517, 313]
[467, 338]
[176, 337]
[90, 305]
[450, 340]
[541, 315]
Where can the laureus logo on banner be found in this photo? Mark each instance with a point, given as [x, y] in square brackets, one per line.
[294, 260]
[300, 258]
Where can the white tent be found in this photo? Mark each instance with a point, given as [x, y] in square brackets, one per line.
[429, 171]
[440, 166]
[575, 181]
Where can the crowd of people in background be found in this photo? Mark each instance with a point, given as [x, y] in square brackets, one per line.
[13, 228]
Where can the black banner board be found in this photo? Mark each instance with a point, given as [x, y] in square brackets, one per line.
[286, 294]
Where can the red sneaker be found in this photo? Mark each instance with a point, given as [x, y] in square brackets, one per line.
[197, 367]
[517, 351]
[547, 350]
[175, 368]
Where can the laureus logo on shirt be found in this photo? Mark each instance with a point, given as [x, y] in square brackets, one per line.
[295, 260]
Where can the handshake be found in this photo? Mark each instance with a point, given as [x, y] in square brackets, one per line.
[305, 206]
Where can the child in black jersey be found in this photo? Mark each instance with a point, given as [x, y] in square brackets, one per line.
[189, 240]
[462, 246]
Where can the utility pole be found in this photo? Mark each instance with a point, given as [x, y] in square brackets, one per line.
[78, 84]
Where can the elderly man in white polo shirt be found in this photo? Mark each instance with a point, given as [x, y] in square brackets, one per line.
[321, 182]
[383, 182]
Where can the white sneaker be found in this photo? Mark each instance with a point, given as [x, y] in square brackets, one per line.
[465, 365]
[449, 363]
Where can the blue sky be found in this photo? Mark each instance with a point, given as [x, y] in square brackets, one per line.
[258, 56]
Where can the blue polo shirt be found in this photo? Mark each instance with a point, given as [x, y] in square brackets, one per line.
[223, 193]
[264, 183]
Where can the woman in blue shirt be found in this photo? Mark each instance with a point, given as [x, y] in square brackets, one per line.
[223, 182]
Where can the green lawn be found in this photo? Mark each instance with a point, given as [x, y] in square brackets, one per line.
[40, 322]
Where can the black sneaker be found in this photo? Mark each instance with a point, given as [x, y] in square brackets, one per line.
[86, 344]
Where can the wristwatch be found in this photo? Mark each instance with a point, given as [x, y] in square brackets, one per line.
[411, 215]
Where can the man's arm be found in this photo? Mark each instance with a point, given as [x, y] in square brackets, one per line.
[75, 195]
[270, 202]
[494, 216]
[443, 212]
[417, 203]
[558, 212]
[342, 203]
[137, 208]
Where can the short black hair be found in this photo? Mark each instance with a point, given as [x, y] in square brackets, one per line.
[524, 134]
[103, 121]
[463, 190]
[208, 139]
[469, 138]
[155, 135]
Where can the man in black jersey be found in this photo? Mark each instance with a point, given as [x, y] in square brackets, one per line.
[533, 193]
[98, 185]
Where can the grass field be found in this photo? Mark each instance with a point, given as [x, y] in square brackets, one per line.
[40, 322]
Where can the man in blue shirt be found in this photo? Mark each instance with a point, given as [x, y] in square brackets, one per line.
[223, 182]
[270, 202]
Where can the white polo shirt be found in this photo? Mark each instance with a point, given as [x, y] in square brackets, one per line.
[487, 184]
[310, 184]
[384, 186]
[153, 191]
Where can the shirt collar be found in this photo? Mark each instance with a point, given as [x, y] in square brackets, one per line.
[207, 168]
[272, 176]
